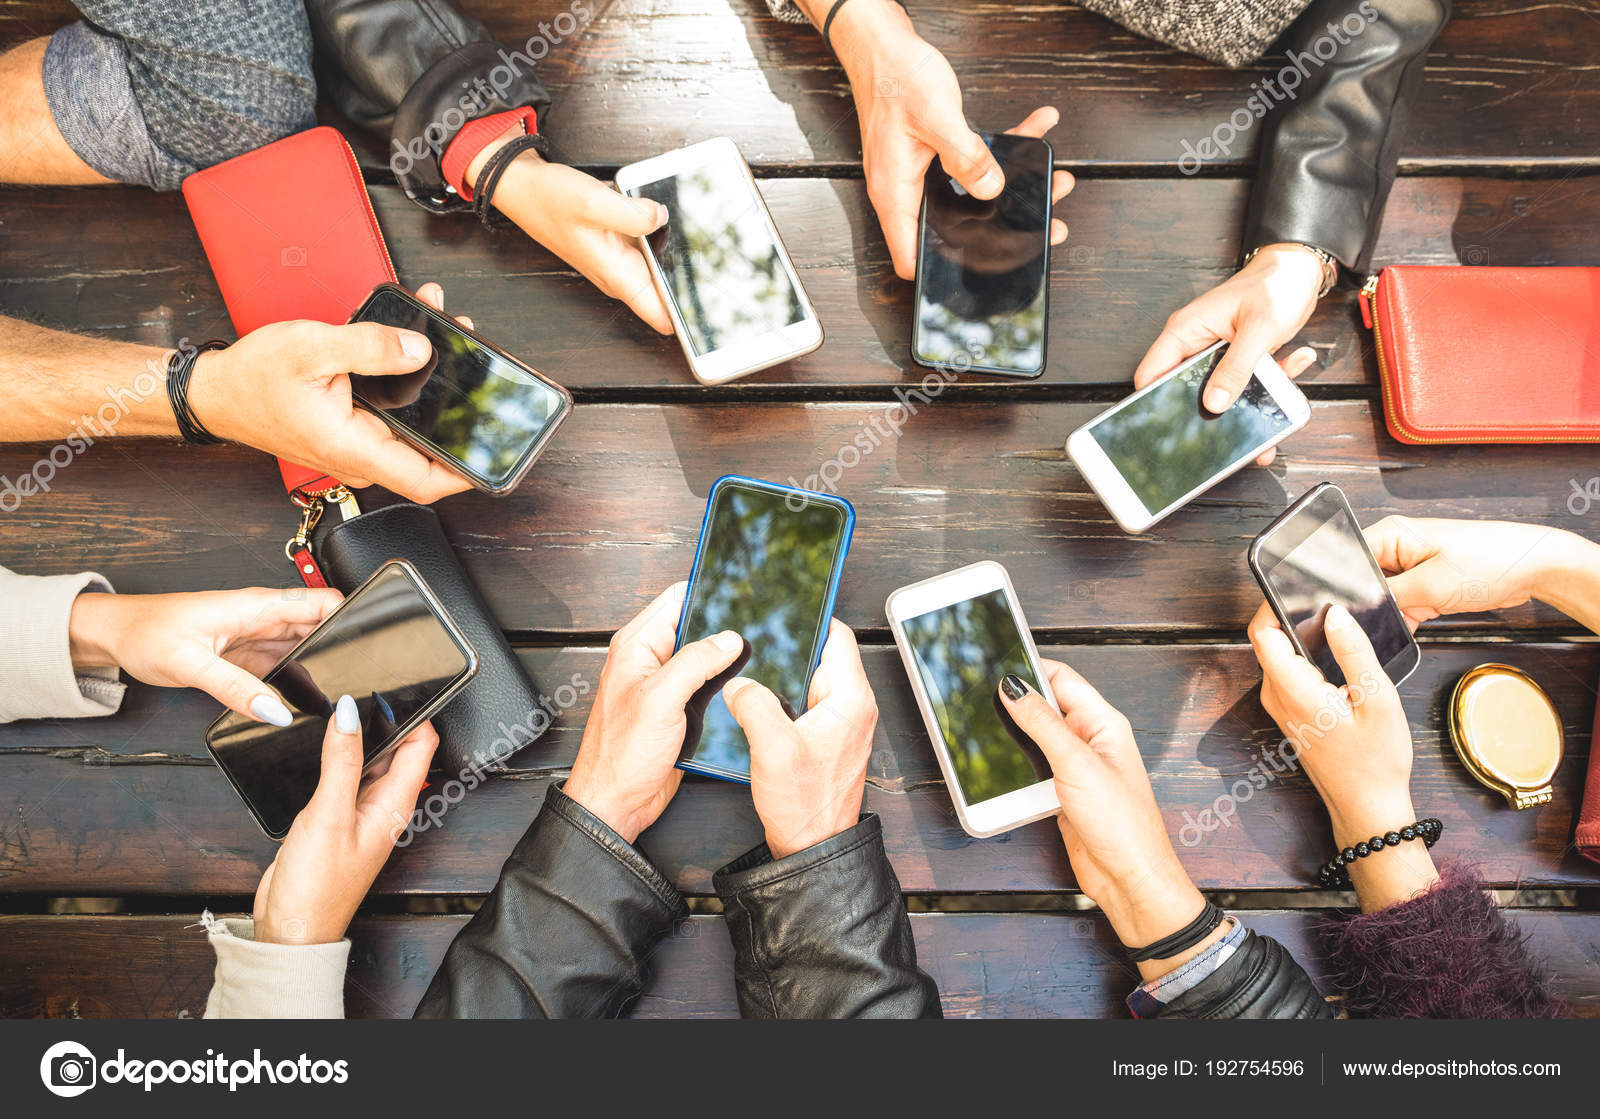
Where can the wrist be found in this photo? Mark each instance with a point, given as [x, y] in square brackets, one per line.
[476, 164]
[863, 29]
[1568, 561]
[1294, 263]
[1358, 823]
[1158, 905]
[207, 400]
[94, 630]
[782, 843]
[613, 814]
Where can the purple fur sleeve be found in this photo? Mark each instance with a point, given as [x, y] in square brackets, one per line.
[1448, 953]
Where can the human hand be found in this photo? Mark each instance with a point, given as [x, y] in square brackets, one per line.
[285, 389]
[583, 221]
[1440, 567]
[1256, 310]
[342, 838]
[1115, 836]
[807, 775]
[218, 641]
[908, 103]
[625, 772]
[1354, 743]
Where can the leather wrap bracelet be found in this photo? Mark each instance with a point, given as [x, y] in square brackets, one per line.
[1334, 874]
[495, 166]
[180, 368]
[1182, 940]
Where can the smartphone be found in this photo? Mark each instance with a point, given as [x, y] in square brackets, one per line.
[768, 567]
[391, 646]
[1160, 448]
[983, 268]
[729, 285]
[473, 407]
[959, 634]
[1315, 555]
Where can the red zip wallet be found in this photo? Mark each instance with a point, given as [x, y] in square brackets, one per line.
[1487, 355]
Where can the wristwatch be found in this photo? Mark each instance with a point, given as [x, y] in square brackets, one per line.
[1330, 266]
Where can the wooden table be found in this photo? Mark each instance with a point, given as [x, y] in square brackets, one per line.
[1500, 167]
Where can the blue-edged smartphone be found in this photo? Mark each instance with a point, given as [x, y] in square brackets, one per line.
[767, 567]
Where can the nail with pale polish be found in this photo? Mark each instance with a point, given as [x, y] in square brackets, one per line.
[1014, 686]
[346, 717]
[270, 709]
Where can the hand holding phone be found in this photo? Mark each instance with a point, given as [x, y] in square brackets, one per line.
[735, 298]
[1314, 557]
[391, 645]
[471, 407]
[767, 568]
[1161, 448]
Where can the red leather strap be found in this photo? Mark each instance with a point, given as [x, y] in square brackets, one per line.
[474, 137]
[306, 566]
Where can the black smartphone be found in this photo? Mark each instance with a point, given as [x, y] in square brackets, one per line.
[1314, 556]
[473, 407]
[390, 646]
[767, 567]
[983, 268]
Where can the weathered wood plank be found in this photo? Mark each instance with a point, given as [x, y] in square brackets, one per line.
[611, 514]
[132, 268]
[1057, 965]
[132, 806]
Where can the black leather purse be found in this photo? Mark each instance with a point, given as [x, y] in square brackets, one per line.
[501, 711]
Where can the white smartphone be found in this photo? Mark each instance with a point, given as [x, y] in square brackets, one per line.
[729, 285]
[1160, 448]
[959, 634]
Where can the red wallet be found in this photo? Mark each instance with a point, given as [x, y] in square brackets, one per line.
[290, 234]
[1487, 355]
[1587, 838]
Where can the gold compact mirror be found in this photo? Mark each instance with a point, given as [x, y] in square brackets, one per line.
[1507, 733]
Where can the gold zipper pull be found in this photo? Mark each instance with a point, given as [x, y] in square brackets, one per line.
[1369, 301]
[341, 496]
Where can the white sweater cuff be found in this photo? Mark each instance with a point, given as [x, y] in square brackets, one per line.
[37, 680]
[259, 980]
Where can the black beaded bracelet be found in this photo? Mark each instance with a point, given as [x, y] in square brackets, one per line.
[495, 166]
[1333, 873]
[1185, 938]
[180, 367]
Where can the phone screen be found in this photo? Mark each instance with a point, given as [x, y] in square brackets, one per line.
[961, 652]
[983, 268]
[1318, 557]
[768, 565]
[1165, 443]
[385, 648]
[485, 411]
[720, 257]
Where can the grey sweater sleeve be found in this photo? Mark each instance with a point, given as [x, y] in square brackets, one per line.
[37, 680]
[147, 92]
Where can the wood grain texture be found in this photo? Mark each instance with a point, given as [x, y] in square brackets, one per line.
[131, 805]
[611, 514]
[986, 965]
[1139, 250]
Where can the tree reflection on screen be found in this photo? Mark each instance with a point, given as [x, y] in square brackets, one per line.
[723, 269]
[764, 572]
[962, 651]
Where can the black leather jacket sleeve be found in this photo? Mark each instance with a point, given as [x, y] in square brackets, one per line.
[1260, 980]
[1329, 151]
[419, 70]
[824, 933]
[568, 930]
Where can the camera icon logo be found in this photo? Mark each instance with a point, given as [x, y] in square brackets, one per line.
[68, 1069]
[292, 256]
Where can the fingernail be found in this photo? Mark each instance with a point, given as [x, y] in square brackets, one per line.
[1014, 686]
[270, 709]
[661, 214]
[346, 717]
[992, 182]
[416, 346]
[727, 641]
[1338, 617]
[1217, 400]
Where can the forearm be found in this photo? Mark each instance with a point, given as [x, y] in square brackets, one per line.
[1571, 581]
[61, 385]
[32, 150]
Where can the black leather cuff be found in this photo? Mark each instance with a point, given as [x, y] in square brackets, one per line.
[558, 802]
[756, 867]
[468, 83]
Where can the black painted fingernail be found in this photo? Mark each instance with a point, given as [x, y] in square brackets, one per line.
[1014, 686]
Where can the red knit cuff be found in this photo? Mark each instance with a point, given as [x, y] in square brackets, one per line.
[474, 137]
